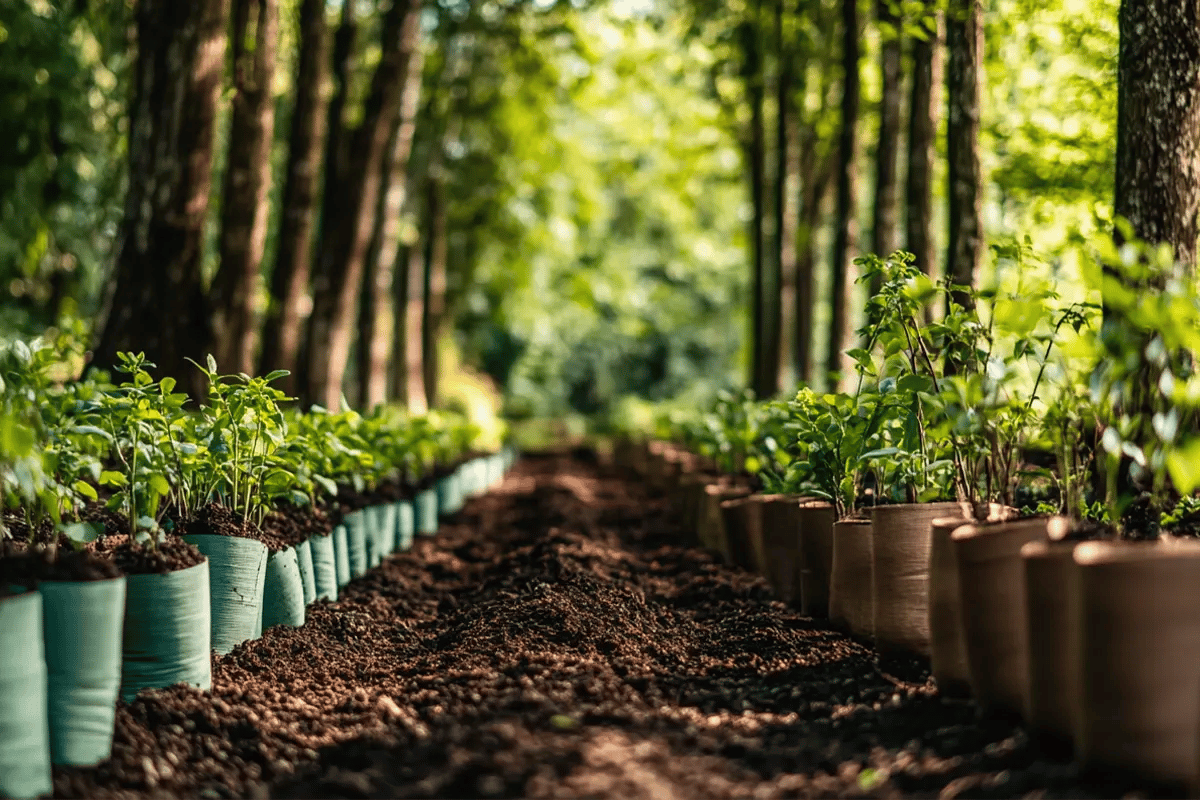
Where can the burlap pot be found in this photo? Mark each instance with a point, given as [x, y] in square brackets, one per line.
[851, 588]
[781, 550]
[1052, 624]
[1139, 659]
[947, 651]
[900, 553]
[711, 525]
[743, 518]
[685, 500]
[816, 557]
[992, 590]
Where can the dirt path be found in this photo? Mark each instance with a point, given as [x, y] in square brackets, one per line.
[554, 641]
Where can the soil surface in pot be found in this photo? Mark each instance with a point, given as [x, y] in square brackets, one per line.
[556, 640]
[171, 554]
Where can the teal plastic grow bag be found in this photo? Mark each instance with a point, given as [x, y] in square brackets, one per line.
[167, 634]
[283, 594]
[449, 493]
[385, 529]
[325, 577]
[307, 581]
[237, 569]
[82, 633]
[24, 727]
[425, 507]
[405, 525]
[341, 554]
[356, 542]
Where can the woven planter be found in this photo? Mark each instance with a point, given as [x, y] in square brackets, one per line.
[816, 557]
[1052, 623]
[900, 552]
[781, 545]
[851, 587]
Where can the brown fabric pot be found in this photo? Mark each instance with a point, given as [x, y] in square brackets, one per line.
[851, 588]
[1139, 640]
[900, 551]
[682, 497]
[743, 531]
[781, 545]
[992, 590]
[1052, 624]
[816, 557]
[711, 525]
[947, 652]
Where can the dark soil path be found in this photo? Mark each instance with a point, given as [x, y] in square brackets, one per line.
[554, 640]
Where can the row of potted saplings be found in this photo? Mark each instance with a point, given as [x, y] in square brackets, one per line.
[69, 649]
[1095, 644]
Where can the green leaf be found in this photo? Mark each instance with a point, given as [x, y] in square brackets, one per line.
[110, 478]
[86, 489]
[1183, 465]
[159, 484]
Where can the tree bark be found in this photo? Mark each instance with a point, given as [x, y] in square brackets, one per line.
[1158, 123]
[883, 232]
[841, 328]
[158, 303]
[336, 175]
[818, 177]
[244, 206]
[375, 334]
[433, 288]
[283, 327]
[344, 242]
[923, 118]
[752, 76]
[964, 48]
[783, 259]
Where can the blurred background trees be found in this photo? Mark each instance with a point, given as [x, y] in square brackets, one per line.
[568, 203]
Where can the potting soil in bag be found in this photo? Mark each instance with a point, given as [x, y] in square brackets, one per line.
[167, 634]
[995, 625]
[283, 595]
[449, 493]
[405, 525]
[325, 576]
[341, 554]
[307, 579]
[425, 506]
[385, 529]
[82, 633]
[816, 557]
[851, 595]
[237, 568]
[24, 728]
[356, 542]
[900, 551]
[1139, 640]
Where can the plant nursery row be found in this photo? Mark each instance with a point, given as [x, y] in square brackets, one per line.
[1006, 490]
[143, 531]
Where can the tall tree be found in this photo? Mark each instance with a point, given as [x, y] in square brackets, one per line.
[158, 302]
[244, 206]
[344, 244]
[924, 107]
[750, 35]
[433, 288]
[964, 68]
[841, 328]
[783, 259]
[887, 149]
[375, 335]
[283, 327]
[1158, 122]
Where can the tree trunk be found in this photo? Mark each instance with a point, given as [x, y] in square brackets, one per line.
[815, 189]
[433, 289]
[375, 335]
[244, 206]
[289, 281]
[964, 48]
[752, 75]
[333, 194]
[883, 232]
[923, 117]
[1158, 125]
[783, 259]
[410, 374]
[158, 303]
[345, 241]
[841, 328]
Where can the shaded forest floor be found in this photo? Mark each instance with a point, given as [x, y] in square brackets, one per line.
[555, 640]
